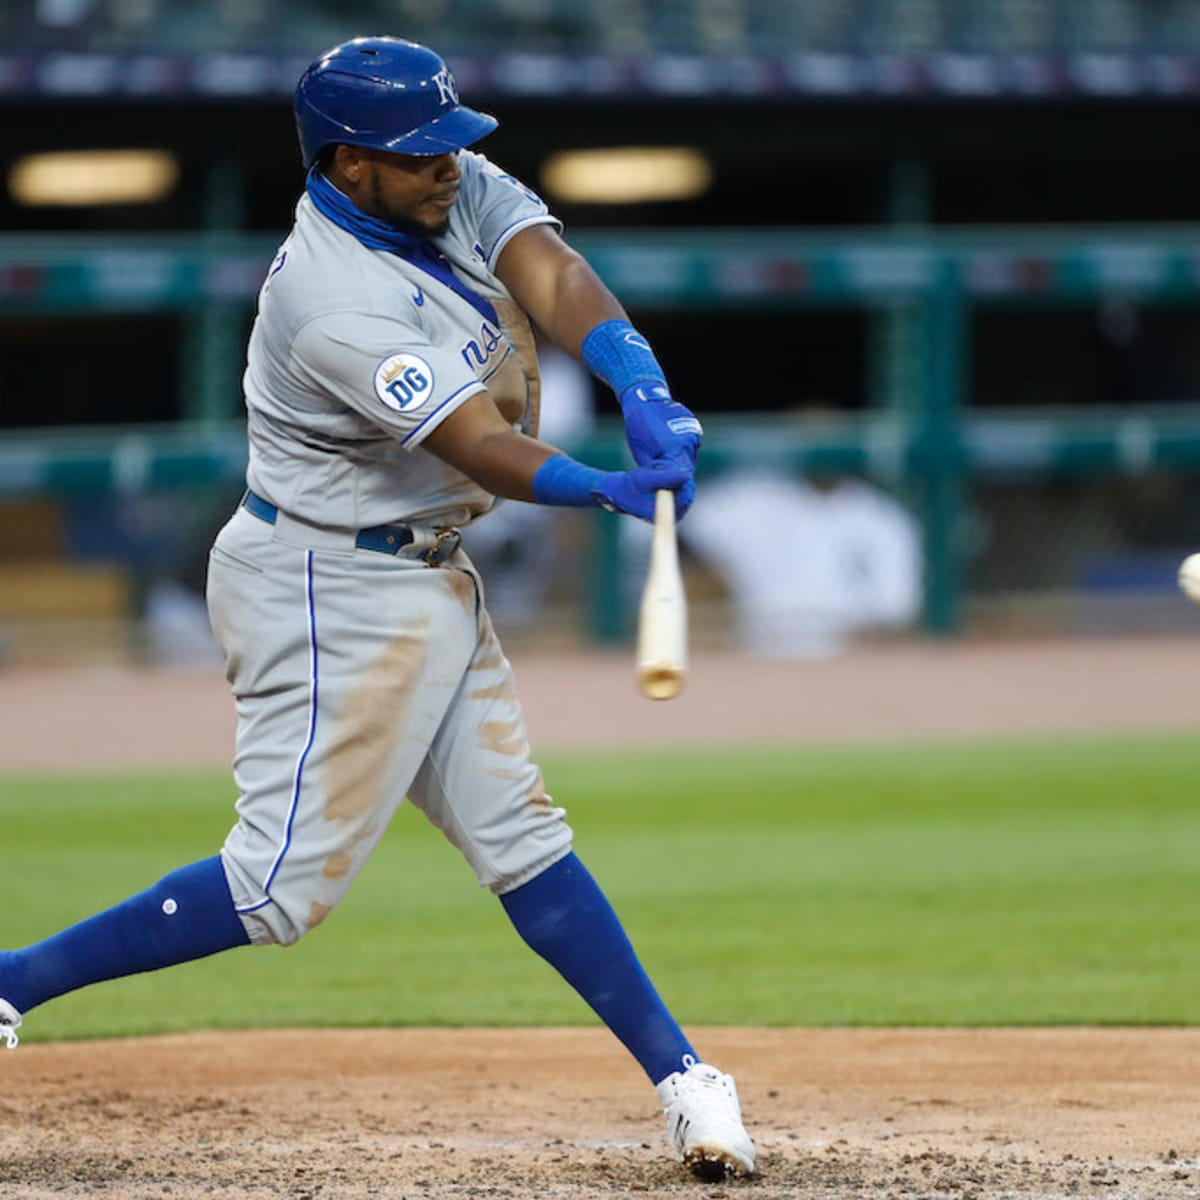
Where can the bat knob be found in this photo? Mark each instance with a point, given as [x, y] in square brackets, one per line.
[660, 682]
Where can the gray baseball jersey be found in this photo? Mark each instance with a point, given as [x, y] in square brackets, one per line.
[357, 355]
[362, 677]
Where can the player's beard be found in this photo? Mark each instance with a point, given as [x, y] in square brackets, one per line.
[418, 228]
[401, 221]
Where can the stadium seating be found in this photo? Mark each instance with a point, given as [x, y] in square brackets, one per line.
[616, 26]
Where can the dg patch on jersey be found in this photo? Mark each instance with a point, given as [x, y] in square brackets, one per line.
[404, 382]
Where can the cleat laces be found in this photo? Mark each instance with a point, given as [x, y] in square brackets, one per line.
[10, 1019]
[704, 1121]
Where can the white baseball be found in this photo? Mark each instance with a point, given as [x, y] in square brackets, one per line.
[1189, 577]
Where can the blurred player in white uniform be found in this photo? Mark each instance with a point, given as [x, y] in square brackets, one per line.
[807, 563]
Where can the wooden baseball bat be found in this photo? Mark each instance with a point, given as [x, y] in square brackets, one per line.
[662, 619]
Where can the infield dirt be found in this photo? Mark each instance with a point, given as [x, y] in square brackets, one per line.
[563, 1113]
[400, 1113]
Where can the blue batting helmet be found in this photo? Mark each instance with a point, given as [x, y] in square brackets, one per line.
[387, 94]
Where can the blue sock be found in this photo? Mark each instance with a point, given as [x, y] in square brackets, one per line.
[564, 916]
[188, 914]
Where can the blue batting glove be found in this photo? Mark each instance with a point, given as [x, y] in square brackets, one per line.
[633, 491]
[658, 428]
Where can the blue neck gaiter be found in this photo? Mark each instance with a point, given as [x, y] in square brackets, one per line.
[379, 235]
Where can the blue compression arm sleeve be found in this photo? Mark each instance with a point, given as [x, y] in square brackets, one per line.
[561, 480]
[615, 352]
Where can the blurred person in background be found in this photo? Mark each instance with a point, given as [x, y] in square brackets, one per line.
[808, 559]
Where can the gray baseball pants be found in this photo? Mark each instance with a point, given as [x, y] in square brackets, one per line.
[360, 678]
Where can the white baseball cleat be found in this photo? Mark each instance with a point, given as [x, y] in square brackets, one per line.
[704, 1121]
[10, 1021]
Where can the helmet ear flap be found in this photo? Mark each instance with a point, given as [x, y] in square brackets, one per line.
[386, 94]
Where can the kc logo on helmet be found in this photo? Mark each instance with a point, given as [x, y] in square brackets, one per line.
[447, 92]
[403, 382]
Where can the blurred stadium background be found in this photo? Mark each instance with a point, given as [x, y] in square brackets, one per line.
[966, 231]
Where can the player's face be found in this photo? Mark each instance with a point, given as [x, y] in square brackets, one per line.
[415, 193]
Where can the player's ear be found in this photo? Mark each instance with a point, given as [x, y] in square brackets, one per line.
[348, 162]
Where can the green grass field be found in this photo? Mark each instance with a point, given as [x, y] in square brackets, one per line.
[993, 884]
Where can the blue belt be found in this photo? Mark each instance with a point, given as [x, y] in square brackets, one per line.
[386, 539]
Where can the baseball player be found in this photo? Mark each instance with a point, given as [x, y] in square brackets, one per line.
[391, 390]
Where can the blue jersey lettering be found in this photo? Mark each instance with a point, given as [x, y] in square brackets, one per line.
[477, 352]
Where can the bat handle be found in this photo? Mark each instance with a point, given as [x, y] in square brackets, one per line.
[664, 514]
[662, 624]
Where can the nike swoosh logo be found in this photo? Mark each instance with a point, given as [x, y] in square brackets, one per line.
[419, 298]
